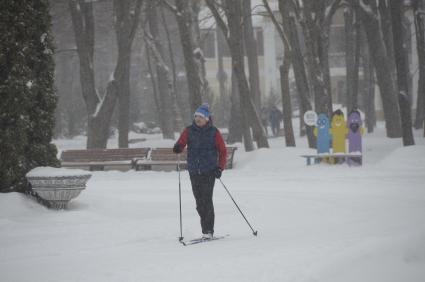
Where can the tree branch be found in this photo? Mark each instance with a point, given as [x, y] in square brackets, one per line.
[136, 18]
[218, 18]
[278, 27]
[170, 7]
[330, 11]
[150, 43]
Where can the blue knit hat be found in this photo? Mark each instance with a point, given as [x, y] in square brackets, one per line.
[203, 111]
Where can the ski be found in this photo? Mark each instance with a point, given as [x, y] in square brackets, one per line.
[200, 240]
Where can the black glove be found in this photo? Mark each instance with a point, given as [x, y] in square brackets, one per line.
[217, 172]
[177, 149]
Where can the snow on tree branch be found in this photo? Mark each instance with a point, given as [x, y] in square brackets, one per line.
[151, 45]
[171, 7]
[367, 8]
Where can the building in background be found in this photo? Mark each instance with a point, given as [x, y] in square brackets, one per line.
[271, 50]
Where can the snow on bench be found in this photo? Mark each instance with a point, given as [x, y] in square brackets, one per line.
[348, 158]
[130, 158]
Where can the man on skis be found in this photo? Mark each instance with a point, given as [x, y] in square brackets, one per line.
[206, 159]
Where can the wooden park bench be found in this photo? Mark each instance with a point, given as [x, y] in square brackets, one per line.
[165, 158]
[348, 158]
[99, 159]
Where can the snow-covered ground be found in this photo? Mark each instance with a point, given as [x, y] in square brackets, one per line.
[317, 223]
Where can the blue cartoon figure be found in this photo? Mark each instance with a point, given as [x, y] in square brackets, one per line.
[322, 133]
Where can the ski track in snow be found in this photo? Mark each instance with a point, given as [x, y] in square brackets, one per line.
[317, 223]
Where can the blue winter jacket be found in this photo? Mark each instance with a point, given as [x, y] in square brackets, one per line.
[201, 149]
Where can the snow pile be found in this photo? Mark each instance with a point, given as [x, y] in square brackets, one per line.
[45, 171]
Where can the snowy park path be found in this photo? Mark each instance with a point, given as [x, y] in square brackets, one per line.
[318, 223]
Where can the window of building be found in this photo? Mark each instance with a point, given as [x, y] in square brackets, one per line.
[208, 38]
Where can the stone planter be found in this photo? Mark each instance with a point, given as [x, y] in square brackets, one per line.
[57, 185]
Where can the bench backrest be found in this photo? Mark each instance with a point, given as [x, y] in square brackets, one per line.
[166, 154]
[93, 155]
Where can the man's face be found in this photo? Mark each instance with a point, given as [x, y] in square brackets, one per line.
[200, 121]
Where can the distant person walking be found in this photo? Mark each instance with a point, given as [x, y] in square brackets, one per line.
[206, 159]
[275, 118]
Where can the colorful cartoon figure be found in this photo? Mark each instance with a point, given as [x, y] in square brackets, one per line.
[322, 133]
[355, 132]
[338, 131]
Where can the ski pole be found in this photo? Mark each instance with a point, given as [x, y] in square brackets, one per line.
[180, 198]
[253, 231]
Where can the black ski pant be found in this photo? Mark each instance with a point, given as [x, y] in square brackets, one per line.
[275, 128]
[202, 187]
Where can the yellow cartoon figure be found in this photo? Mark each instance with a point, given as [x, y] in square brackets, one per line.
[338, 132]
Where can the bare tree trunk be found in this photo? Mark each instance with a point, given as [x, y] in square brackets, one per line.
[235, 122]
[369, 91]
[387, 32]
[310, 28]
[418, 6]
[123, 81]
[184, 21]
[284, 80]
[325, 12]
[402, 69]
[324, 64]
[286, 101]
[315, 74]
[252, 54]
[99, 111]
[234, 17]
[154, 86]
[126, 23]
[177, 113]
[195, 6]
[164, 82]
[358, 40]
[377, 49]
[298, 66]
[352, 50]
[162, 92]
[222, 78]
[233, 11]
[102, 120]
